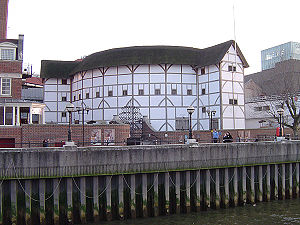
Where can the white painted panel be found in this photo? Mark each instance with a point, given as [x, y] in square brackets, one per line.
[226, 86]
[238, 77]
[157, 113]
[87, 83]
[125, 79]
[175, 69]
[97, 114]
[112, 101]
[141, 78]
[50, 96]
[79, 84]
[142, 69]
[146, 89]
[237, 87]
[214, 76]
[214, 87]
[156, 124]
[228, 123]
[123, 70]
[171, 125]
[144, 111]
[187, 100]
[228, 111]
[143, 100]
[155, 100]
[50, 117]
[122, 101]
[173, 78]
[213, 68]
[187, 69]
[238, 112]
[231, 49]
[157, 78]
[156, 69]
[109, 113]
[96, 73]
[63, 87]
[203, 100]
[171, 112]
[51, 106]
[88, 74]
[214, 99]
[62, 106]
[226, 75]
[240, 98]
[97, 81]
[50, 87]
[111, 70]
[176, 100]
[188, 78]
[203, 78]
[96, 102]
[239, 123]
[110, 80]
[182, 112]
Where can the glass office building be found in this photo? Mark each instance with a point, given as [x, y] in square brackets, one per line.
[271, 56]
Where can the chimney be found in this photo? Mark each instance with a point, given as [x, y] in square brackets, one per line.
[3, 18]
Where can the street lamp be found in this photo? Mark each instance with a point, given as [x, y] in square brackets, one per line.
[280, 111]
[69, 108]
[210, 116]
[190, 111]
[82, 109]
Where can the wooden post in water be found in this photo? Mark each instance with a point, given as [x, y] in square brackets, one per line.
[167, 192]
[132, 196]
[13, 198]
[198, 190]
[28, 196]
[276, 190]
[226, 186]
[155, 184]
[144, 193]
[82, 200]
[235, 186]
[188, 191]
[252, 190]
[177, 190]
[290, 180]
[121, 196]
[244, 187]
[56, 201]
[268, 181]
[96, 199]
[42, 194]
[283, 180]
[69, 200]
[297, 179]
[108, 197]
[217, 188]
[260, 184]
[207, 189]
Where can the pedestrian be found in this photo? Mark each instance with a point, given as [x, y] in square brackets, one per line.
[216, 136]
[45, 143]
[227, 137]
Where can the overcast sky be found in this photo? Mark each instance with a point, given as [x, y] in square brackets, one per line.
[71, 29]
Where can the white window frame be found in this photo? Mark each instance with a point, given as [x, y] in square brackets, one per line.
[9, 94]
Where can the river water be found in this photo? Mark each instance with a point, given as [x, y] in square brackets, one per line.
[275, 212]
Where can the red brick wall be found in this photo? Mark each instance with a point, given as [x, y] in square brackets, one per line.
[10, 66]
[3, 18]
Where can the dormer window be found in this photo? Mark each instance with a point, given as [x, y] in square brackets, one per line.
[7, 51]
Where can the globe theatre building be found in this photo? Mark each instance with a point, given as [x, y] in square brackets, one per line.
[161, 82]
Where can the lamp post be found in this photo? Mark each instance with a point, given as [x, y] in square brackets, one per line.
[190, 111]
[82, 109]
[69, 109]
[210, 116]
[280, 112]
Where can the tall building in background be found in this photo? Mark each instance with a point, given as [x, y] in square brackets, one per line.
[3, 18]
[283, 52]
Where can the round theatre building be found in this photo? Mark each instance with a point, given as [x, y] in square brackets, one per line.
[159, 82]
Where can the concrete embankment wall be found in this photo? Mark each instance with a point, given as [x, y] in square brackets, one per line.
[75, 185]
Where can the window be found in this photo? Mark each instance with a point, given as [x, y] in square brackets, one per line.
[7, 54]
[157, 92]
[174, 92]
[203, 109]
[181, 123]
[64, 81]
[141, 91]
[74, 98]
[203, 91]
[189, 92]
[87, 95]
[232, 68]
[125, 92]
[63, 99]
[5, 86]
[202, 70]
[8, 115]
[233, 101]
[110, 93]
[97, 94]
[63, 114]
[79, 96]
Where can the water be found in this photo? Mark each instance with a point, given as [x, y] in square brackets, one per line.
[276, 212]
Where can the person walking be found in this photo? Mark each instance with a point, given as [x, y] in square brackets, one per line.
[216, 136]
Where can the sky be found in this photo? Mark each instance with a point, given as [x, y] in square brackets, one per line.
[71, 29]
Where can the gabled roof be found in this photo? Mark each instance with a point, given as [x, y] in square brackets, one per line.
[140, 55]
